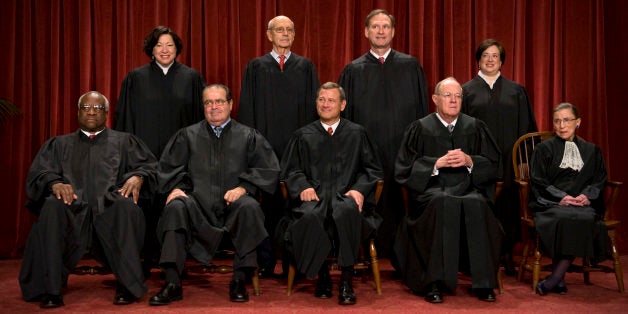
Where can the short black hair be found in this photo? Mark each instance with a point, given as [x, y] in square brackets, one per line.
[487, 43]
[153, 37]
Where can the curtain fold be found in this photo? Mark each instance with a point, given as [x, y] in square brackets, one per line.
[56, 50]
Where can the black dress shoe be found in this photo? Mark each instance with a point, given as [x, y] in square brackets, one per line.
[123, 296]
[433, 294]
[237, 291]
[560, 290]
[485, 294]
[540, 288]
[346, 296]
[323, 287]
[168, 294]
[50, 301]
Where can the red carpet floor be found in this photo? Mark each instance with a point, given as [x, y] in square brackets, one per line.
[209, 293]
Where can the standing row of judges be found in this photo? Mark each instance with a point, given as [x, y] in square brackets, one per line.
[447, 160]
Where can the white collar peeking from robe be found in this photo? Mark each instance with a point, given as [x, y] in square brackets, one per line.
[571, 157]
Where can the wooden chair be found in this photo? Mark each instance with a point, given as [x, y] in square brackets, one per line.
[521, 156]
[362, 264]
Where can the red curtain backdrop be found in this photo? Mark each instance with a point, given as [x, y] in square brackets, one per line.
[54, 50]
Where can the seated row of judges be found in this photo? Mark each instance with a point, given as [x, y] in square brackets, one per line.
[85, 187]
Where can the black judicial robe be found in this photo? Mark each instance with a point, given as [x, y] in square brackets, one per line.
[277, 102]
[508, 114]
[332, 165]
[205, 167]
[96, 169]
[154, 106]
[385, 99]
[431, 238]
[568, 230]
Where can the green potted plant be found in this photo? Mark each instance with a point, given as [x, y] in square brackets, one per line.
[7, 109]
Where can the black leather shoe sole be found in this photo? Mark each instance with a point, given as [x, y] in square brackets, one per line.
[168, 294]
[237, 291]
[51, 302]
[433, 297]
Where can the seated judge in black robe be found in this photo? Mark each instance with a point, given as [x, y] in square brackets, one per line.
[212, 172]
[386, 91]
[330, 168]
[450, 176]
[567, 176]
[504, 106]
[84, 187]
[277, 98]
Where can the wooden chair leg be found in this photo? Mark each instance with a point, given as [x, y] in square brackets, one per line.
[255, 280]
[291, 273]
[586, 264]
[536, 268]
[500, 283]
[616, 263]
[524, 260]
[375, 267]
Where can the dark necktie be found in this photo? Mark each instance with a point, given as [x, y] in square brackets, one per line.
[381, 60]
[330, 131]
[282, 59]
[218, 131]
[450, 127]
[92, 135]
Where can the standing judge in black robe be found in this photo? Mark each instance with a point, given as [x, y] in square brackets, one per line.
[503, 105]
[212, 172]
[448, 161]
[567, 176]
[156, 100]
[159, 98]
[330, 167]
[277, 98]
[386, 91]
[84, 187]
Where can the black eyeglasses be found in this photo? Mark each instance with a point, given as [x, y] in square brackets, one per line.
[88, 107]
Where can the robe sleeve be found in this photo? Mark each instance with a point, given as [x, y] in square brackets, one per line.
[292, 169]
[371, 168]
[173, 165]
[263, 170]
[124, 117]
[593, 190]
[44, 171]
[486, 161]
[422, 109]
[141, 162]
[412, 168]
[527, 121]
[246, 108]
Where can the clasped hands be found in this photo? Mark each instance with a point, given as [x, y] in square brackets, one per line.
[580, 200]
[65, 192]
[309, 195]
[454, 158]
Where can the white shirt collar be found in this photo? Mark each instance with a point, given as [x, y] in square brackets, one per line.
[276, 55]
[165, 68]
[377, 56]
[333, 126]
[444, 122]
[485, 78]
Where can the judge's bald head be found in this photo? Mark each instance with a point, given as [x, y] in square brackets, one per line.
[92, 111]
[448, 99]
